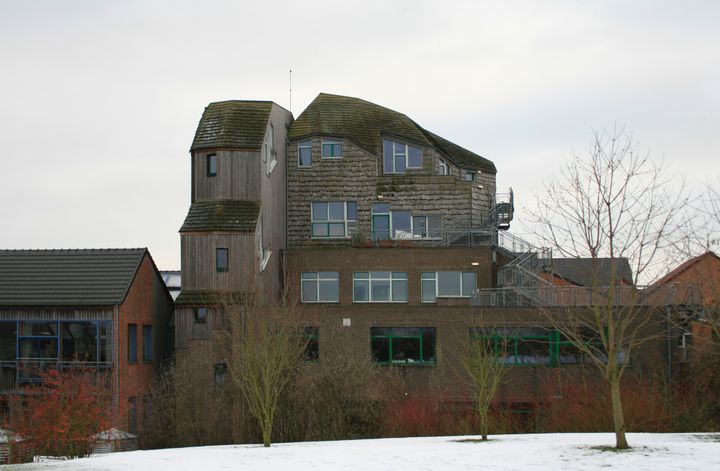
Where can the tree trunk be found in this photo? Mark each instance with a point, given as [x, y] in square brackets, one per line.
[266, 431]
[618, 418]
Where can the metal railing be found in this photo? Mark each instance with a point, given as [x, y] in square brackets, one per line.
[17, 373]
[428, 238]
[672, 294]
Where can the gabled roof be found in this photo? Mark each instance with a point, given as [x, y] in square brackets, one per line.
[365, 123]
[579, 271]
[233, 124]
[222, 215]
[686, 265]
[89, 277]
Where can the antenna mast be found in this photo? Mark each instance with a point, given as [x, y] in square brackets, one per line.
[291, 90]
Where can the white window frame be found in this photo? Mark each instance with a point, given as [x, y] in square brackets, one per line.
[443, 168]
[317, 280]
[370, 278]
[411, 235]
[270, 157]
[349, 224]
[330, 142]
[406, 154]
[435, 278]
[304, 145]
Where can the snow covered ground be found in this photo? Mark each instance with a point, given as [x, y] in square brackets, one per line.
[506, 452]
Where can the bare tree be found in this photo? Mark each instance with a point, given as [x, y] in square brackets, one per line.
[483, 363]
[266, 350]
[615, 202]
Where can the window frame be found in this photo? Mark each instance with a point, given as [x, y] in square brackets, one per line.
[317, 280]
[391, 279]
[425, 276]
[393, 333]
[443, 168]
[349, 225]
[388, 217]
[210, 162]
[304, 145]
[218, 267]
[404, 155]
[132, 344]
[332, 143]
[201, 314]
[147, 343]
[311, 334]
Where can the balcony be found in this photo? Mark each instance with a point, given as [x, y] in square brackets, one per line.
[14, 375]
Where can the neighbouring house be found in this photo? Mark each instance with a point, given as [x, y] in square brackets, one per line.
[389, 239]
[105, 310]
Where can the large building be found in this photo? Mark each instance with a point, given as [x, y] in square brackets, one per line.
[389, 239]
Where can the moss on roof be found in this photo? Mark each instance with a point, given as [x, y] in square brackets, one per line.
[235, 124]
[365, 123]
[222, 215]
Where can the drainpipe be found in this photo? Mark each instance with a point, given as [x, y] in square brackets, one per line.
[669, 346]
[116, 359]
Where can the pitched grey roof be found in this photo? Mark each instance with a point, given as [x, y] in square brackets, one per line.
[235, 124]
[580, 270]
[222, 215]
[91, 277]
[364, 123]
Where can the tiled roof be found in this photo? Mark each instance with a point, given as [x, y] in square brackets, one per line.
[91, 277]
[234, 124]
[686, 265]
[365, 123]
[580, 270]
[222, 215]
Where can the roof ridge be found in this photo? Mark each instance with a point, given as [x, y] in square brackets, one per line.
[81, 250]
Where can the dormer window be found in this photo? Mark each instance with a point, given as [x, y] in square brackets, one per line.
[399, 157]
[331, 149]
[443, 168]
[211, 165]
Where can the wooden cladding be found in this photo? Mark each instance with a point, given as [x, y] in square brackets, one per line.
[236, 175]
[199, 262]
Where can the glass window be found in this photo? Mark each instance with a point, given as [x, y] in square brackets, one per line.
[8, 341]
[211, 165]
[403, 345]
[443, 168]
[331, 149]
[469, 175]
[78, 341]
[147, 343]
[398, 157]
[320, 287]
[401, 225]
[312, 348]
[305, 154]
[380, 287]
[335, 219]
[201, 315]
[132, 343]
[105, 341]
[447, 284]
[427, 227]
[220, 373]
[221, 259]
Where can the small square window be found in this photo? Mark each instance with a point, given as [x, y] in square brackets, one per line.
[211, 165]
[332, 149]
[201, 315]
[221, 259]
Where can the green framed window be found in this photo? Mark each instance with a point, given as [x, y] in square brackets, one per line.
[319, 287]
[380, 287]
[312, 347]
[398, 157]
[334, 219]
[211, 165]
[403, 345]
[305, 154]
[447, 284]
[331, 149]
[221, 259]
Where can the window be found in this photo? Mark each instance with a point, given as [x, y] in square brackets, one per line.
[336, 219]
[211, 165]
[271, 157]
[305, 154]
[443, 168]
[147, 339]
[312, 348]
[132, 414]
[380, 287]
[331, 149]
[220, 373]
[399, 157]
[523, 346]
[469, 175]
[403, 345]
[402, 224]
[447, 284]
[221, 259]
[132, 343]
[201, 315]
[319, 287]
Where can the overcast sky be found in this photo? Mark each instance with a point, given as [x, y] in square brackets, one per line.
[99, 100]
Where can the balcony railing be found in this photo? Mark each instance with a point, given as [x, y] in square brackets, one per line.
[428, 238]
[673, 294]
[18, 373]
